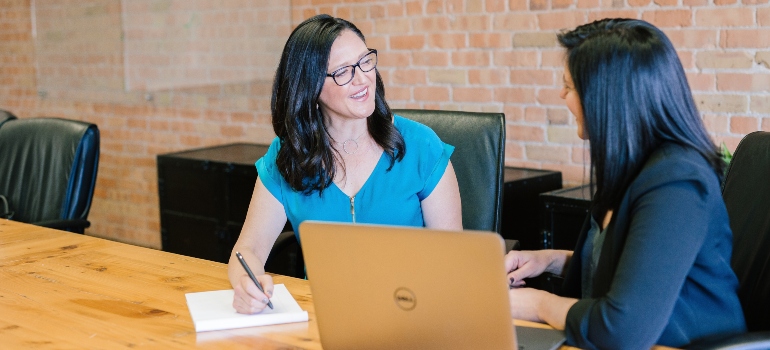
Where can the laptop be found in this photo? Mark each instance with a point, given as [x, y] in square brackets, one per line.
[389, 287]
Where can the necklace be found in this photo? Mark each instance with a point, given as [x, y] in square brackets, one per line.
[351, 143]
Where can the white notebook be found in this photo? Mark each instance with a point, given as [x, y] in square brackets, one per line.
[214, 310]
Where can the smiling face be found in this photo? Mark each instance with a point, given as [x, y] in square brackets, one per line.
[570, 96]
[354, 100]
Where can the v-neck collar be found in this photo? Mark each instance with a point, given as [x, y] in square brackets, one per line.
[368, 179]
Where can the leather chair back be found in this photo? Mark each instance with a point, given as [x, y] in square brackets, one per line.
[478, 160]
[5, 116]
[746, 192]
[48, 168]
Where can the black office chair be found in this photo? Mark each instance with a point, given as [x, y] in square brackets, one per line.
[478, 160]
[746, 191]
[48, 168]
[5, 116]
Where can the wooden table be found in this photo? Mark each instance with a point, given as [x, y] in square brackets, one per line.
[69, 291]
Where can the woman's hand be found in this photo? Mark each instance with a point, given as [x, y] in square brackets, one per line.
[539, 306]
[525, 303]
[248, 299]
[532, 263]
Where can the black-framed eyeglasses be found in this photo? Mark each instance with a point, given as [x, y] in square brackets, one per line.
[345, 74]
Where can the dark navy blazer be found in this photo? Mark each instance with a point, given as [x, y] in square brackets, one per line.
[664, 274]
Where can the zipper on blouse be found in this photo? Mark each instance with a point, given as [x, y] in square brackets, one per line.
[353, 208]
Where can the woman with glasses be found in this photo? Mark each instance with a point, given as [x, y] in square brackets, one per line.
[652, 264]
[340, 154]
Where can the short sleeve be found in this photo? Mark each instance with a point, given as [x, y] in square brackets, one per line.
[268, 172]
[426, 152]
[437, 171]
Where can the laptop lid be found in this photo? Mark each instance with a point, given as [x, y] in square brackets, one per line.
[387, 287]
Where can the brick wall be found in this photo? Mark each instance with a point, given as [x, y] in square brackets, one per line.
[475, 55]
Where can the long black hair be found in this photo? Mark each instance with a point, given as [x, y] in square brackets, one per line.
[635, 96]
[306, 158]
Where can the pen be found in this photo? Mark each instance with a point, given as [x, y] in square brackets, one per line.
[253, 278]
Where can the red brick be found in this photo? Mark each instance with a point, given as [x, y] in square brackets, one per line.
[513, 112]
[692, 38]
[760, 104]
[558, 116]
[537, 5]
[535, 115]
[517, 5]
[763, 16]
[702, 81]
[563, 135]
[549, 96]
[514, 95]
[487, 76]
[447, 41]
[561, 20]
[489, 40]
[534, 39]
[515, 59]
[407, 42]
[716, 123]
[584, 4]
[495, 5]
[744, 125]
[432, 59]
[428, 24]
[464, 94]
[668, 18]
[434, 7]
[448, 76]
[532, 77]
[515, 21]
[471, 58]
[390, 26]
[471, 23]
[746, 38]
[409, 76]
[433, 93]
[413, 8]
[602, 14]
[724, 17]
[743, 82]
[548, 153]
[524, 133]
[513, 151]
[721, 103]
[723, 60]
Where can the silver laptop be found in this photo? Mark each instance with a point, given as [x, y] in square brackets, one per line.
[387, 287]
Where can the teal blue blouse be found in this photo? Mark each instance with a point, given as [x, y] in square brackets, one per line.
[388, 197]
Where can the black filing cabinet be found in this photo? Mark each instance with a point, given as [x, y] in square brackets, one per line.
[204, 195]
[564, 212]
[562, 215]
[521, 210]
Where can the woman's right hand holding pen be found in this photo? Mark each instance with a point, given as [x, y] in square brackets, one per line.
[248, 298]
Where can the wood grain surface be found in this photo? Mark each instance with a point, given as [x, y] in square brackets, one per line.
[60, 290]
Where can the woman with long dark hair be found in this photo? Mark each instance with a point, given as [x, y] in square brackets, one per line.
[652, 264]
[340, 154]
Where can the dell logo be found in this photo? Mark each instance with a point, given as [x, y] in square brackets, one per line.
[405, 299]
